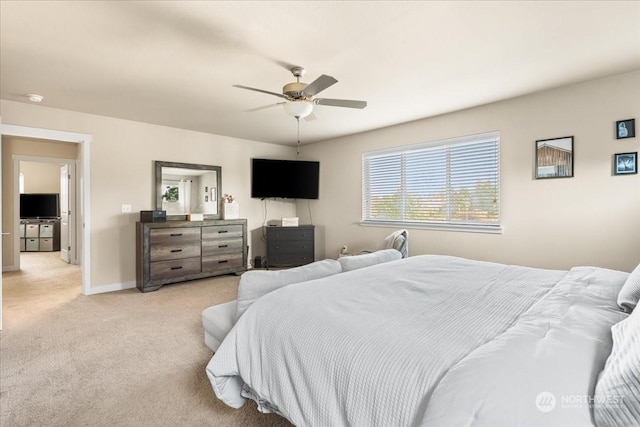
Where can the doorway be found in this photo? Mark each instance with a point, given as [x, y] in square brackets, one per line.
[9, 215]
[46, 183]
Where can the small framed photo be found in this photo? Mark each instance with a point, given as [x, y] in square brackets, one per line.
[625, 163]
[626, 129]
[554, 158]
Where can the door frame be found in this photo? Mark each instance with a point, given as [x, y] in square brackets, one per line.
[83, 183]
[73, 224]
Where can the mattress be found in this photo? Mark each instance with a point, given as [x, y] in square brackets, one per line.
[427, 340]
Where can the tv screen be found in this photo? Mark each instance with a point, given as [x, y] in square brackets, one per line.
[39, 205]
[288, 179]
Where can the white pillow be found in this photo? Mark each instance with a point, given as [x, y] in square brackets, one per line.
[359, 261]
[256, 283]
[398, 240]
[617, 396]
[630, 292]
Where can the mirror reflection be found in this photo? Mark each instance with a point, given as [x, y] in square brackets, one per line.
[183, 188]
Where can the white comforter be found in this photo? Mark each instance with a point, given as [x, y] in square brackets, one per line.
[428, 340]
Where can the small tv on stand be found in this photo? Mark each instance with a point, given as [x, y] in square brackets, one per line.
[39, 205]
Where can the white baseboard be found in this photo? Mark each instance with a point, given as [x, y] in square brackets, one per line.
[111, 288]
[9, 268]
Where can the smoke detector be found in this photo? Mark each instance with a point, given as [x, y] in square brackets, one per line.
[34, 97]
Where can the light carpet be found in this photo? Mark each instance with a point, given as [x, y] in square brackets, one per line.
[117, 359]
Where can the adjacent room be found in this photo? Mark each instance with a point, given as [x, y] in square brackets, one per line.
[320, 213]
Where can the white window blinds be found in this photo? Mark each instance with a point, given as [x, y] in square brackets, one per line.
[455, 182]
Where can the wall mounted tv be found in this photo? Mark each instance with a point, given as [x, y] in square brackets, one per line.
[288, 179]
[39, 205]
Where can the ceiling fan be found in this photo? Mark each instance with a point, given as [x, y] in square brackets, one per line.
[300, 97]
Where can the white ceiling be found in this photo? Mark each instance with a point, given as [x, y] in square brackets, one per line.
[174, 62]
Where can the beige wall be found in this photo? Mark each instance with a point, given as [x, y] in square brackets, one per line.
[591, 219]
[121, 172]
[39, 177]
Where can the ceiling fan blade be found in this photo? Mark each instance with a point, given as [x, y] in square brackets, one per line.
[261, 90]
[340, 103]
[264, 107]
[319, 84]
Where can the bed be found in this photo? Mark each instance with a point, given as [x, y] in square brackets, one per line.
[426, 341]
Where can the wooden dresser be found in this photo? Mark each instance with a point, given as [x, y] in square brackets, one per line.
[289, 246]
[175, 251]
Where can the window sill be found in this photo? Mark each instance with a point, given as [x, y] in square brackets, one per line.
[468, 228]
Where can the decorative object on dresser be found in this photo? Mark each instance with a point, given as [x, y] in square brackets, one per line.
[39, 235]
[176, 251]
[153, 216]
[289, 246]
[231, 209]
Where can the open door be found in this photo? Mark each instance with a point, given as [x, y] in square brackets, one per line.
[67, 191]
[2, 233]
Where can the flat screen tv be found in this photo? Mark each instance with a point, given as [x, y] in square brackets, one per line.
[39, 205]
[288, 179]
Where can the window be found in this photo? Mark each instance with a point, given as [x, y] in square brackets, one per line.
[451, 184]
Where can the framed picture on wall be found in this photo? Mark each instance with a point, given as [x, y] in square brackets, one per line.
[625, 163]
[554, 158]
[626, 129]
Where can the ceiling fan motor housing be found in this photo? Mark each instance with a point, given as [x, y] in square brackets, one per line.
[295, 90]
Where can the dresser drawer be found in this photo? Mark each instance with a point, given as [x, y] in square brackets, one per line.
[174, 235]
[219, 246]
[174, 250]
[221, 262]
[290, 259]
[222, 232]
[289, 234]
[289, 254]
[176, 268]
[291, 246]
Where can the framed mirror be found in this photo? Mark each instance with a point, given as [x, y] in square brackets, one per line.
[185, 188]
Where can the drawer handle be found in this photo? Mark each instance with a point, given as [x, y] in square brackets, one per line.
[223, 246]
[176, 250]
[176, 268]
[222, 231]
[176, 234]
[222, 262]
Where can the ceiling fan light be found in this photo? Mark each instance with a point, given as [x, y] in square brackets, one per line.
[298, 109]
